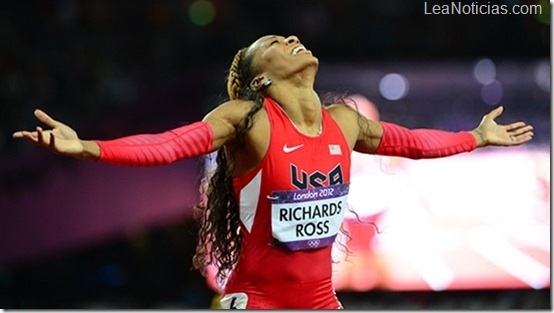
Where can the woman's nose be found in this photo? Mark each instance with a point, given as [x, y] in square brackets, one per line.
[292, 39]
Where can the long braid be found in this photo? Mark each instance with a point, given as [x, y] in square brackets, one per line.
[219, 240]
[234, 84]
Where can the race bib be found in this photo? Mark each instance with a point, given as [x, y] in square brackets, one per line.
[237, 300]
[308, 218]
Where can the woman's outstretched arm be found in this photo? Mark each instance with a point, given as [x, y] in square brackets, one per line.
[429, 143]
[137, 150]
[383, 138]
[183, 142]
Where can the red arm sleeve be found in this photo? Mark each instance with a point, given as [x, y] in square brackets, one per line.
[184, 142]
[423, 143]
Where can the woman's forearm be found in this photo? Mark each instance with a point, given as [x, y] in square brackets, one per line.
[424, 143]
[184, 142]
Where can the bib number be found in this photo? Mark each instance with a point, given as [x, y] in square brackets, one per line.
[308, 218]
[236, 301]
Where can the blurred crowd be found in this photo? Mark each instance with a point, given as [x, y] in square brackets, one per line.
[111, 68]
[88, 60]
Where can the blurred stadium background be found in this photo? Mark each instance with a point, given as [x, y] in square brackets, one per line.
[78, 235]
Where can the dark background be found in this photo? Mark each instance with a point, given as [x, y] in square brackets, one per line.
[112, 68]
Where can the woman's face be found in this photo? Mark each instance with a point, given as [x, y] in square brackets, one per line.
[278, 57]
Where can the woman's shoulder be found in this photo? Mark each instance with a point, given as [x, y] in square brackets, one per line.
[238, 106]
[341, 112]
[348, 120]
[233, 111]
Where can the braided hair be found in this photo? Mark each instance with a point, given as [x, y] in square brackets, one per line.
[219, 240]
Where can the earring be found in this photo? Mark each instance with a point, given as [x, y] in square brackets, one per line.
[266, 82]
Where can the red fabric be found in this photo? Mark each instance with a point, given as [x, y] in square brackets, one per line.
[301, 295]
[184, 142]
[271, 275]
[423, 143]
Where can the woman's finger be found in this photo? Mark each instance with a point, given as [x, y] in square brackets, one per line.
[52, 142]
[521, 138]
[40, 140]
[495, 113]
[512, 126]
[46, 119]
[30, 136]
[522, 130]
[18, 134]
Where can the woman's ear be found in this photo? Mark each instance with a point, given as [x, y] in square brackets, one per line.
[260, 82]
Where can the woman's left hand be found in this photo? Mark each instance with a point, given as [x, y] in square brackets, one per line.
[489, 133]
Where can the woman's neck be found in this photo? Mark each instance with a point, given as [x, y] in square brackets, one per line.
[301, 104]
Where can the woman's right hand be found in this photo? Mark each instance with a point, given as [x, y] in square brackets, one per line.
[61, 139]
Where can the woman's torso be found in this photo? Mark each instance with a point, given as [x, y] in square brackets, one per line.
[293, 162]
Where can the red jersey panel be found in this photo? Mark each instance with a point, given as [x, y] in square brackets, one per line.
[268, 272]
